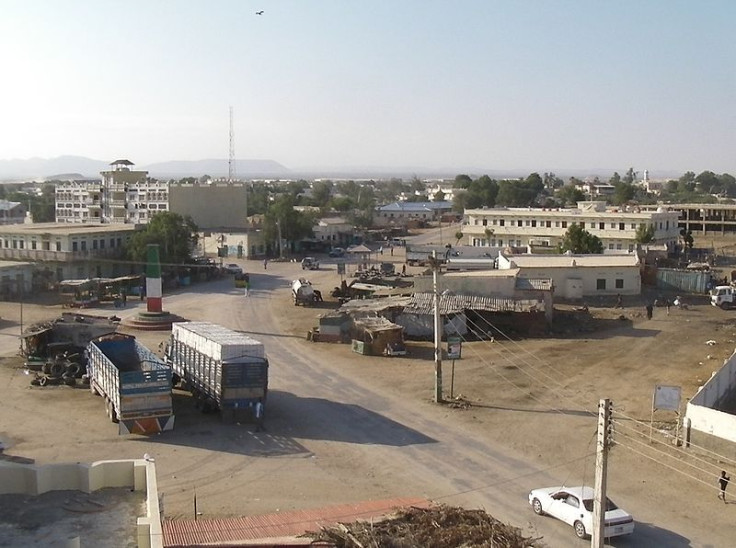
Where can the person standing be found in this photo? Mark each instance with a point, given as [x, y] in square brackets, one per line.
[265, 264]
[650, 311]
[619, 301]
[723, 483]
[247, 287]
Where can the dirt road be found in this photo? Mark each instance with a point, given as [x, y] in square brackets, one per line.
[343, 427]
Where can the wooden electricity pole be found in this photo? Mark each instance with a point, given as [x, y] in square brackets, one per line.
[601, 473]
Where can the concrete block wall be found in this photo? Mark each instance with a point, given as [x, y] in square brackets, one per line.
[137, 474]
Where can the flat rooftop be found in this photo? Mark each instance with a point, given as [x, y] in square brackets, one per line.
[62, 229]
[106, 517]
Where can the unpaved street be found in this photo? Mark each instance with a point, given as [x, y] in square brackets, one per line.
[343, 427]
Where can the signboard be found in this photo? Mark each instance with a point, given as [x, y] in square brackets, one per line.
[667, 397]
[341, 268]
[454, 347]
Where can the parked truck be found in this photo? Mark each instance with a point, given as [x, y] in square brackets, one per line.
[225, 370]
[135, 383]
[723, 296]
[303, 293]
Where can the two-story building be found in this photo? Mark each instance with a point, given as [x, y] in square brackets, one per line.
[66, 251]
[334, 231]
[535, 227]
[12, 213]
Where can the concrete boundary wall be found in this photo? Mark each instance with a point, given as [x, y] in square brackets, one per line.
[137, 474]
[702, 413]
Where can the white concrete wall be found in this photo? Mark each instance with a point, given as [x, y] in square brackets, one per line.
[137, 474]
[700, 412]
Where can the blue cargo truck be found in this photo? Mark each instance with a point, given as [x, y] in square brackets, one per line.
[135, 383]
[225, 370]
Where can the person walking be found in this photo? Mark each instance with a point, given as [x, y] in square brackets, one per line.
[667, 304]
[265, 264]
[650, 311]
[619, 301]
[247, 287]
[723, 483]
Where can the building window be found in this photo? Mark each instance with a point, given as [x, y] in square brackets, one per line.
[549, 224]
[602, 226]
[485, 222]
[518, 243]
[633, 226]
[564, 224]
[500, 243]
[500, 222]
[33, 244]
[618, 246]
[75, 247]
[58, 245]
[613, 225]
[621, 226]
[600, 284]
[619, 283]
[84, 245]
[94, 244]
[631, 248]
[112, 242]
[557, 224]
[102, 243]
[534, 223]
[520, 222]
[610, 246]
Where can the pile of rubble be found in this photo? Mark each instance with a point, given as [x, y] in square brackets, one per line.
[436, 527]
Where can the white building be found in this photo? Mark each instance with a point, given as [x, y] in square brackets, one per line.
[615, 227]
[335, 231]
[122, 196]
[580, 276]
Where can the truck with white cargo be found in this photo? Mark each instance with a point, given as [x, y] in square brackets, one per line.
[225, 370]
[303, 293]
[135, 383]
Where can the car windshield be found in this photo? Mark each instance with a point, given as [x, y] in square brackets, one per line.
[609, 505]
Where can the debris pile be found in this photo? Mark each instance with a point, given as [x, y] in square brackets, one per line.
[437, 527]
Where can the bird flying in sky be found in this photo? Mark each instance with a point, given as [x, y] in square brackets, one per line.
[259, 12]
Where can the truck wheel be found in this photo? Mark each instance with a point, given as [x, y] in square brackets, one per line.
[725, 305]
[73, 369]
[43, 381]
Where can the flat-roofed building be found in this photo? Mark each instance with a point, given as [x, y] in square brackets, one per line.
[401, 213]
[579, 276]
[71, 251]
[536, 227]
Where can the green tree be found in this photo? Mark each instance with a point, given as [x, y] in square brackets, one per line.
[458, 237]
[623, 193]
[462, 181]
[644, 233]
[294, 225]
[570, 195]
[615, 179]
[321, 192]
[439, 196]
[176, 236]
[579, 241]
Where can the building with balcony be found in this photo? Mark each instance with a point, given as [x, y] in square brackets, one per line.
[122, 196]
[68, 251]
[126, 196]
[539, 228]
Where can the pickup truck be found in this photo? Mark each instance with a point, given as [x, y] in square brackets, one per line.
[310, 263]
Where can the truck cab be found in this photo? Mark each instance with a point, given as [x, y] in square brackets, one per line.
[723, 296]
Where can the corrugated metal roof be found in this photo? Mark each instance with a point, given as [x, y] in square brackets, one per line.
[423, 303]
[273, 526]
[534, 284]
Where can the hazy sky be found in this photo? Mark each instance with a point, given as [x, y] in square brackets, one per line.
[533, 85]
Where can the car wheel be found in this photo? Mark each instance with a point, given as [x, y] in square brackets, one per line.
[580, 529]
[537, 507]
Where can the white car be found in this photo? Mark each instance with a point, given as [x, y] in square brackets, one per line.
[574, 506]
[232, 268]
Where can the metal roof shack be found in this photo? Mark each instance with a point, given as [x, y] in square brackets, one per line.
[423, 303]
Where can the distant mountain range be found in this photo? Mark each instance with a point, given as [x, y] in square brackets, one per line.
[79, 167]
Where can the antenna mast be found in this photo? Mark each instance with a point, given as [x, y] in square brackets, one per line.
[231, 161]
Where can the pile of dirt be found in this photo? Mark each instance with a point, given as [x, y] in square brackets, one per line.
[437, 527]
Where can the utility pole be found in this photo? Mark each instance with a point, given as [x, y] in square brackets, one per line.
[601, 473]
[231, 160]
[437, 330]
